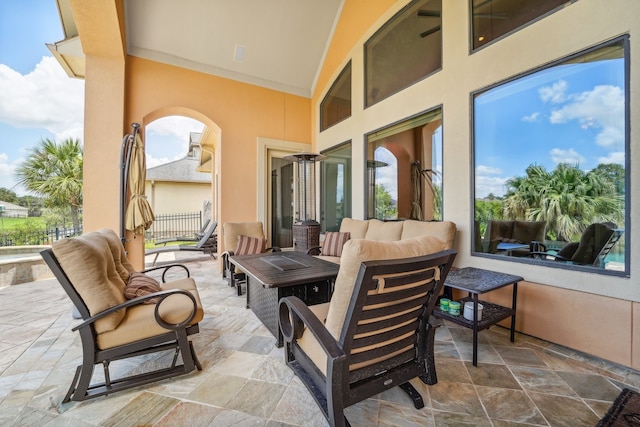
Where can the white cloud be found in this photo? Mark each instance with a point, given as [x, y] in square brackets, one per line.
[7, 170]
[487, 170]
[486, 185]
[167, 138]
[46, 98]
[614, 157]
[570, 156]
[556, 93]
[156, 161]
[531, 117]
[602, 107]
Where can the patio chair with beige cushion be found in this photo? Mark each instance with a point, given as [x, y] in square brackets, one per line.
[125, 313]
[375, 333]
[241, 238]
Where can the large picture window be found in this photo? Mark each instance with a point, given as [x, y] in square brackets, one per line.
[492, 19]
[405, 50]
[336, 105]
[551, 163]
[404, 169]
[335, 187]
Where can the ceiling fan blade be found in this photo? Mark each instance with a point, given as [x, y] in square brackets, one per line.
[430, 31]
[429, 13]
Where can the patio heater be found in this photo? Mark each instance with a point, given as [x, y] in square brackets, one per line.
[306, 230]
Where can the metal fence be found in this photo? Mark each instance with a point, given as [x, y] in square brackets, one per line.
[165, 226]
[36, 237]
[171, 225]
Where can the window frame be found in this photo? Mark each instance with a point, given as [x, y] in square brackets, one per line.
[325, 99]
[624, 39]
[346, 194]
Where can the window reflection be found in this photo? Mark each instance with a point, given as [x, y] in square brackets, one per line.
[550, 163]
[335, 187]
[336, 105]
[404, 169]
[492, 19]
[405, 50]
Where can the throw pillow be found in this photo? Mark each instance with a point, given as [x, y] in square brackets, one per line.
[249, 245]
[139, 285]
[333, 242]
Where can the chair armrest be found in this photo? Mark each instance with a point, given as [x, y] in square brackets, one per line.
[273, 249]
[139, 300]
[544, 255]
[294, 316]
[314, 250]
[166, 269]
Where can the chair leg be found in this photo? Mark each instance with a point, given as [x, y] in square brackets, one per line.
[72, 387]
[413, 394]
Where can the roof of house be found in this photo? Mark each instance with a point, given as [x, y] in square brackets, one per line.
[11, 207]
[183, 170]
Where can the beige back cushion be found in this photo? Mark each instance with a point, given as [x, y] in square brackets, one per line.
[123, 266]
[381, 230]
[231, 231]
[357, 227]
[89, 264]
[357, 251]
[443, 230]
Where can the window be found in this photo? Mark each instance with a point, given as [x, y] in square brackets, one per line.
[404, 169]
[492, 19]
[405, 50]
[336, 105]
[335, 187]
[551, 147]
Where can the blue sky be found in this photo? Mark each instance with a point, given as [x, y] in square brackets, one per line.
[38, 100]
[573, 113]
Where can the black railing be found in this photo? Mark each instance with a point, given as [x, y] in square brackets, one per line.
[171, 225]
[36, 237]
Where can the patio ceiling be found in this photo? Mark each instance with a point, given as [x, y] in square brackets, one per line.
[277, 44]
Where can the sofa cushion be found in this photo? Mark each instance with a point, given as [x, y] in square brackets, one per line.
[357, 251]
[500, 230]
[527, 231]
[123, 266]
[333, 243]
[443, 230]
[139, 285]
[88, 262]
[384, 230]
[231, 231]
[139, 321]
[249, 245]
[357, 228]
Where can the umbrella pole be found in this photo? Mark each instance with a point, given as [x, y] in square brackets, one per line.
[125, 161]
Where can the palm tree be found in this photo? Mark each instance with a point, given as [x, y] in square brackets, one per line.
[568, 199]
[54, 172]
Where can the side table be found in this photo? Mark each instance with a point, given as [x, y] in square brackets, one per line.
[476, 281]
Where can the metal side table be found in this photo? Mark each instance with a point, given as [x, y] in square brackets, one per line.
[476, 281]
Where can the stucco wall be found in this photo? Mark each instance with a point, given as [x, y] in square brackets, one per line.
[576, 309]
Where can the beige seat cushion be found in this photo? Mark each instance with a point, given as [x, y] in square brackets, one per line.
[123, 266]
[353, 254]
[443, 230]
[139, 321]
[384, 230]
[356, 227]
[88, 262]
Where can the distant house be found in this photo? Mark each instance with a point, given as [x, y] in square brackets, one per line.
[178, 186]
[13, 211]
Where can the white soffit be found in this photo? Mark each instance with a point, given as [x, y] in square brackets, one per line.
[277, 44]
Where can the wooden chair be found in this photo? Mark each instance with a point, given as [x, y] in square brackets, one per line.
[236, 235]
[377, 333]
[94, 272]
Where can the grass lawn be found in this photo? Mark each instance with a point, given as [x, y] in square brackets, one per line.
[13, 223]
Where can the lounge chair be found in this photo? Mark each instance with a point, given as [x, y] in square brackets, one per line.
[208, 244]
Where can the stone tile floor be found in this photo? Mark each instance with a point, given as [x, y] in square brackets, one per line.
[245, 382]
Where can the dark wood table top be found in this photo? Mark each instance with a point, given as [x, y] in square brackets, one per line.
[477, 280]
[277, 269]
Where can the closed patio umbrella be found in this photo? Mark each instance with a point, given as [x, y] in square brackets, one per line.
[139, 216]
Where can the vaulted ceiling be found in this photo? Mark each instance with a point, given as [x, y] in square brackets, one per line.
[278, 44]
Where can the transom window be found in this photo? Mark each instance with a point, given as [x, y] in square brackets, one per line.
[336, 105]
[405, 50]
